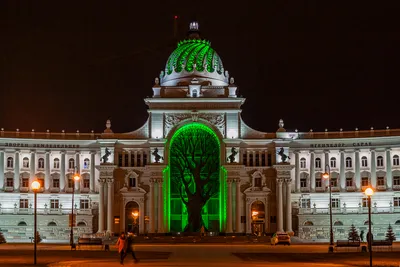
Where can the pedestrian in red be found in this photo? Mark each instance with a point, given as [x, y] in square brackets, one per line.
[121, 245]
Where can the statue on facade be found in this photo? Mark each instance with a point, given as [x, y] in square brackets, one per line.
[281, 153]
[106, 155]
[157, 157]
[231, 157]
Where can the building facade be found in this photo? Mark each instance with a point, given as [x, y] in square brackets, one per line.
[265, 182]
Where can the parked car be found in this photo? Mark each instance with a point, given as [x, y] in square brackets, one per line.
[280, 238]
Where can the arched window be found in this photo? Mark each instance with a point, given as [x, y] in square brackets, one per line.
[333, 162]
[396, 161]
[22, 223]
[397, 222]
[302, 163]
[367, 222]
[71, 163]
[318, 163]
[25, 162]
[379, 161]
[308, 223]
[364, 161]
[10, 162]
[338, 223]
[56, 164]
[86, 163]
[81, 224]
[51, 224]
[349, 163]
[41, 163]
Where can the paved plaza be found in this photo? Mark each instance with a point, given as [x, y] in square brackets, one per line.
[208, 255]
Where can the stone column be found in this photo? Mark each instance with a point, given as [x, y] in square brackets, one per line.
[280, 206]
[312, 171]
[238, 203]
[92, 171]
[47, 167]
[326, 160]
[389, 178]
[151, 207]
[342, 172]
[160, 205]
[141, 158]
[32, 164]
[78, 170]
[123, 158]
[288, 183]
[248, 158]
[62, 172]
[229, 208]
[2, 183]
[16, 171]
[254, 158]
[135, 158]
[110, 196]
[297, 170]
[283, 172]
[373, 169]
[101, 205]
[357, 170]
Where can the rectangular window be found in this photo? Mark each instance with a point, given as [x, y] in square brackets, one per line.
[54, 204]
[144, 159]
[305, 203]
[303, 182]
[364, 181]
[245, 159]
[251, 159]
[335, 203]
[263, 159]
[381, 180]
[10, 182]
[119, 160]
[257, 182]
[126, 160]
[396, 201]
[396, 180]
[302, 164]
[318, 164]
[86, 183]
[333, 163]
[257, 159]
[269, 163]
[364, 162]
[56, 183]
[349, 181]
[396, 161]
[23, 203]
[318, 183]
[365, 202]
[70, 183]
[25, 182]
[132, 160]
[41, 182]
[84, 205]
[334, 182]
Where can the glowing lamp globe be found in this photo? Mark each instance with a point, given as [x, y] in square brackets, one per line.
[77, 177]
[369, 191]
[135, 214]
[35, 185]
[325, 175]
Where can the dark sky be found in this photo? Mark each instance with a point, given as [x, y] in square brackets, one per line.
[316, 64]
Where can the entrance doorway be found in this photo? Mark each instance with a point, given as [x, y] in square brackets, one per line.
[258, 218]
[132, 217]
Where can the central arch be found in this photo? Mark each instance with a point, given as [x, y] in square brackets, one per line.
[194, 180]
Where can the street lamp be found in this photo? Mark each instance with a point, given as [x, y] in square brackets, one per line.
[35, 187]
[76, 178]
[135, 215]
[327, 175]
[369, 192]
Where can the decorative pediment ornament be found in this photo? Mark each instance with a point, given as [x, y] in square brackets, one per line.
[171, 120]
[218, 120]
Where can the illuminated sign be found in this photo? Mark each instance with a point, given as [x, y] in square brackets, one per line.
[41, 145]
[341, 145]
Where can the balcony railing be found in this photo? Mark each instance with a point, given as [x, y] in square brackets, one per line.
[349, 210]
[44, 211]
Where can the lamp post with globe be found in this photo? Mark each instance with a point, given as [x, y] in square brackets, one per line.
[135, 215]
[327, 175]
[35, 187]
[76, 178]
[369, 192]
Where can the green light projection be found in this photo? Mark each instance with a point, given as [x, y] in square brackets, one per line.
[194, 54]
[196, 184]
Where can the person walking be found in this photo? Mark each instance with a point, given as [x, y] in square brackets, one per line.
[121, 245]
[129, 248]
[362, 235]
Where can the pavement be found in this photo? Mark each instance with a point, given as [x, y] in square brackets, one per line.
[209, 255]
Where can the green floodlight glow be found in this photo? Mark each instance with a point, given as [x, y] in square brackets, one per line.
[194, 170]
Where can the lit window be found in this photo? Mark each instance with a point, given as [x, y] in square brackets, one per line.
[334, 182]
[25, 163]
[381, 180]
[396, 161]
[71, 163]
[318, 183]
[349, 163]
[364, 162]
[41, 163]
[333, 162]
[318, 163]
[54, 204]
[349, 181]
[25, 182]
[302, 163]
[364, 181]
[379, 161]
[335, 203]
[396, 201]
[23, 203]
[56, 164]
[10, 162]
[84, 205]
[396, 180]
[86, 164]
[305, 203]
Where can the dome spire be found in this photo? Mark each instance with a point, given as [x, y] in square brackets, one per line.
[194, 32]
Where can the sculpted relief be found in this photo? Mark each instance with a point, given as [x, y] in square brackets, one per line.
[171, 120]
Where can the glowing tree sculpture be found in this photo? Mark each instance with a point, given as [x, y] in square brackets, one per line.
[194, 170]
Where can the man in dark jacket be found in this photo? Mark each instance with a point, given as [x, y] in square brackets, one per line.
[129, 248]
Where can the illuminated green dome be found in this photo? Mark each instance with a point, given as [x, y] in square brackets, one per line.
[194, 54]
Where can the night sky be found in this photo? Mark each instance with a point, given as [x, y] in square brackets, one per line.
[74, 64]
